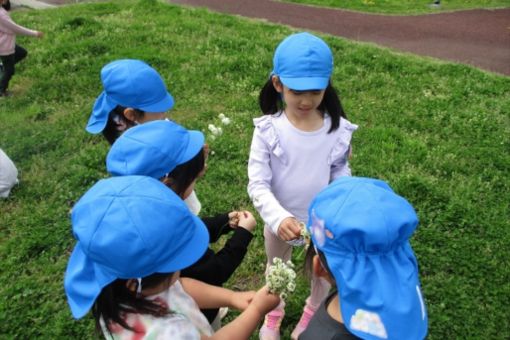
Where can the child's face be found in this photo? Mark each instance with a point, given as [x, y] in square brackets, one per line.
[299, 103]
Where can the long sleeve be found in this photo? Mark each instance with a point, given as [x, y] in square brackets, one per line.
[259, 186]
[10, 27]
[217, 226]
[217, 268]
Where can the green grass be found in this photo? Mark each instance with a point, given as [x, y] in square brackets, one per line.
[437, 132]
[403, 7]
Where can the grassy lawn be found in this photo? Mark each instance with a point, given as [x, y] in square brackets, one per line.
[403, 7]
[437, 132]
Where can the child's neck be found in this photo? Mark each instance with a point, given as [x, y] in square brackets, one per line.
[333, 309]
[308, 123]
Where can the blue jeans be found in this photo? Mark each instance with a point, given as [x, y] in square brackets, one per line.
[8, 62]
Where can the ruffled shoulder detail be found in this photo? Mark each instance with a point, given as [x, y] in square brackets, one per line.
[267, 130]
[343, 140]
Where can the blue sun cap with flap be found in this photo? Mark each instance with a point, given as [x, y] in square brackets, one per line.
[128, 227]
[363, 228]
[303, 62]
[129, 83]
[153, 149]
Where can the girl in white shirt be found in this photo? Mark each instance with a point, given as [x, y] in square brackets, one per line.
[300, 145]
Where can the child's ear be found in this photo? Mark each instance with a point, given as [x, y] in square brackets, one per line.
[130, 114]
[278, 86]
[318, 269]
[132, 285]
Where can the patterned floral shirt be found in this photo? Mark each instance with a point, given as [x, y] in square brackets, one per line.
[185, 322]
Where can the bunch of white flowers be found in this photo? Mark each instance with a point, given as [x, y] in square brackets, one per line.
[217, 131]
[280, 278]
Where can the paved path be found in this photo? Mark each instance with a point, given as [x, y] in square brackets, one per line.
[477, 37]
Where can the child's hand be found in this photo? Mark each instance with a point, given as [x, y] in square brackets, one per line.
[289, 229]
[247, 221]
[241, 300]
[264, 301]
[233, 219]
[39, 34]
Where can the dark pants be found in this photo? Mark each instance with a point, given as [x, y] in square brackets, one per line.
[8, 62]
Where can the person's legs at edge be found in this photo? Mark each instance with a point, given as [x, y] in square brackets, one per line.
[9, 62]
[319, 290]
[8, 68]
[275, 247]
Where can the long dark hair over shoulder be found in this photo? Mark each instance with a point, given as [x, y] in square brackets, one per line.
[115, 300]
[270, 102]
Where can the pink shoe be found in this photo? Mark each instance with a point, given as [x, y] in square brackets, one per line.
[270, 330]
[308, 312]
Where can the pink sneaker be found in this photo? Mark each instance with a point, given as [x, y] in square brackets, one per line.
[270, 330]
[308, 312]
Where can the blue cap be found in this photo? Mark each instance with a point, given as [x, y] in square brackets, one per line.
[153, 149]
[363, 229]
[128, 227]
[303, 62]
[129, 83]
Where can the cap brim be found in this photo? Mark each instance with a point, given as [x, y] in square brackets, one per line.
[99, 117]
[85, 279]
[192, 251]
[164, 105]
[83, 282]
[305, 84]
[383, 298]
[195, 144]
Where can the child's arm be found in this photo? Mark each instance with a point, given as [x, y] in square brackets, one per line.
[216, 268]
[343, 151]
[216, 226]
[244, 325]
[209, 296]
[10, 27]
[260, 175]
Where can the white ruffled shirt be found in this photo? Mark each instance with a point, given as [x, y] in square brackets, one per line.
[288, 166]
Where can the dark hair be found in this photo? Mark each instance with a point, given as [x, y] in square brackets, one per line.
[116, 118]
[184, 174]
[310, 253]
[7, 6]
[116, 299]
[270, 102]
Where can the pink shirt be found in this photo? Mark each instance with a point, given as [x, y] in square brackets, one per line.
[8, 31]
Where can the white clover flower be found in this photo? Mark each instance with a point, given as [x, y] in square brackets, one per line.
[225, 120]
[213, 129]
[221, 116]
[280, 278]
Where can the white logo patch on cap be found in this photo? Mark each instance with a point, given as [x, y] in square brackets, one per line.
[368, 322]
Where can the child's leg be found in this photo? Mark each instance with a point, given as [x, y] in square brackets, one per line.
[19, 54]
[8, 65]
[318, 292]
[275, 247]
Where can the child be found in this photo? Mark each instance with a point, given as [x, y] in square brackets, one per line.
[134, 93]
[300, 144]
[164, 150]
[10, 53]
[8, 175]
[133, 237]
[361, 230]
